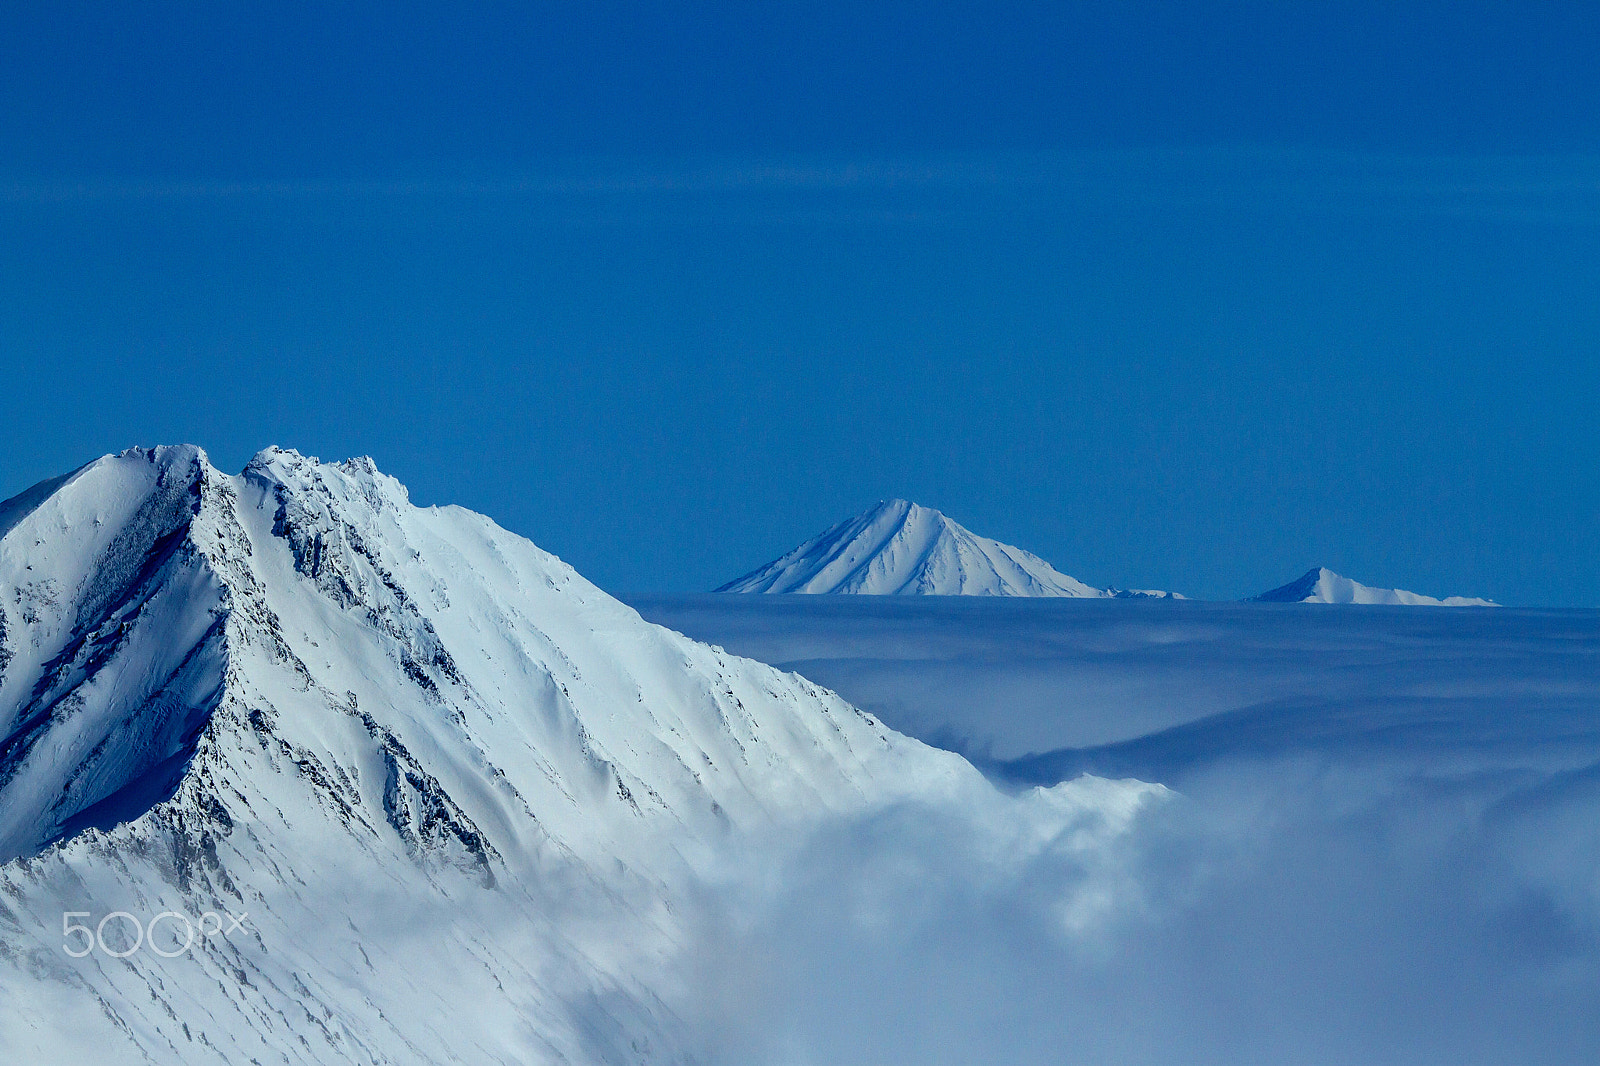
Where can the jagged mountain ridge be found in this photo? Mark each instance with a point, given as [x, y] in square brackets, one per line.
[899, 548]
[292, 693]
[1321, 585]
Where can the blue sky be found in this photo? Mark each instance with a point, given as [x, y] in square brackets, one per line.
[1190, 298]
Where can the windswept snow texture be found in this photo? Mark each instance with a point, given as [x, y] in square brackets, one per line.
[471, 809]
[1321, 585]
[899, 548]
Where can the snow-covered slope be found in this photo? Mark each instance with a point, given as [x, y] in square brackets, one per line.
[899, 548]
[1321, 585]
[463, 797]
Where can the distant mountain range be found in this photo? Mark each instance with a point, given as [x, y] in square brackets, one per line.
[1321, 585]
[899, 548]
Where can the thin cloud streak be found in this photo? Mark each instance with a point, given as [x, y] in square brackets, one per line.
[1548, 189]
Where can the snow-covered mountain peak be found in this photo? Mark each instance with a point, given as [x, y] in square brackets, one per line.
[1321, 585]
[898, 547]
[407, 742]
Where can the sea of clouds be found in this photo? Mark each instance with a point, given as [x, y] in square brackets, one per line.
[1381, 844]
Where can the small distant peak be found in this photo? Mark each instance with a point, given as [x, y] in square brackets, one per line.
[897, 547]
[1321, 585]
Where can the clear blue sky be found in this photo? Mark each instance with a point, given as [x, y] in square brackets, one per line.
[1191, 296]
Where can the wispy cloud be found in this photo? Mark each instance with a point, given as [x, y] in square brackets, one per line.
[1545, 189]
[571, 179]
